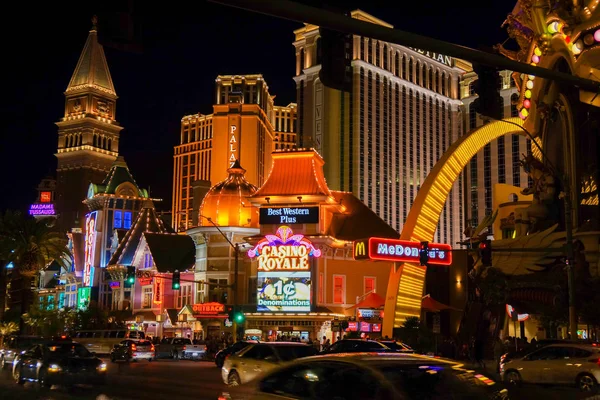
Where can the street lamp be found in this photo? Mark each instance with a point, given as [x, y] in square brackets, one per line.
[568, 231]
[234, 287]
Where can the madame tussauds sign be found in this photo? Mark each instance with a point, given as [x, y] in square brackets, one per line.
[284, 251]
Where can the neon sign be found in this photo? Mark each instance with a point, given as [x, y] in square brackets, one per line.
[208, 308]
[232, 145]
[42, 209]
[90, 241]
[158, 290]
[45, 197]
[400, 251]
[283, 251]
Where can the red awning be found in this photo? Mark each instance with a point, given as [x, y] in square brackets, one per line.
[372, 300]
[430, 304]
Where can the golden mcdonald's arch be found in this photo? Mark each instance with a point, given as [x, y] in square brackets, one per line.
[360, 250]
[405, 287]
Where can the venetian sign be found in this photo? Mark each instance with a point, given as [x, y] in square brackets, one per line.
[90, 243]
[208, 308]
[400, 251]
[284, 251]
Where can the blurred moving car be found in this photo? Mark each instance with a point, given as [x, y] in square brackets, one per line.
[369, 376]
[398, 347]
[193, 351]
[133, 350]
[257, 359]
[234, 348]
[514, 355]
[357, 346]
[560, 364]
[14, 345]
[172, 347]
[59, 362]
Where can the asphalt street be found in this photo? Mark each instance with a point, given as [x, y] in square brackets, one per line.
[169, 379]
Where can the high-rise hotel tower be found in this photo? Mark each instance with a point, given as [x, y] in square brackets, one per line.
[381, 140]
[245, 125]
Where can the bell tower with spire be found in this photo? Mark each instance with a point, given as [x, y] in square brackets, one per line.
[88, 134]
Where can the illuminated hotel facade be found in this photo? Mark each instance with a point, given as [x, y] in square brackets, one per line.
[498, 161]
[382, 139]
[245, 125]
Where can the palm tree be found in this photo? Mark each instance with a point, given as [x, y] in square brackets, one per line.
[30, 245]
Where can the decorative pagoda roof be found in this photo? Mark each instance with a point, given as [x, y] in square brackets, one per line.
[92, 70]
[147, 221]
[295, 173]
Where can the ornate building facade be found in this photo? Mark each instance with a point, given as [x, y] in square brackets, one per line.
[88, 134]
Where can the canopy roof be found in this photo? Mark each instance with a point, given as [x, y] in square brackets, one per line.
[428, 303]
[372, 300]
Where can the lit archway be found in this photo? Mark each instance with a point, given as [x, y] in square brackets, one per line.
[405, 287]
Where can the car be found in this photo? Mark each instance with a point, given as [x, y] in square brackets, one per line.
[172, 347]
[356, 346]
[194, 351]
[59, 363]
[257, 359]
[14, 345]
[234, 348]
[398, 347]
[512, 355]
[133, 350]
[556, 364]
[387, 376]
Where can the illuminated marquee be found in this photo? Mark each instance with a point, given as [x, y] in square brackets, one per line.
[400, 251]
[283, 251]
[42, 209]
[284, 278]
[90, 242]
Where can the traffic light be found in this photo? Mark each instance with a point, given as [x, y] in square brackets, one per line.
[230, 312]
[334, 50]
[487, 87]
[485, 252]
[239, 317]
[424, 253]
[175, 284]
[130, 280]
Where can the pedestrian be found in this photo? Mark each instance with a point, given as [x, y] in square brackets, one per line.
[323, 343]
[327, 345]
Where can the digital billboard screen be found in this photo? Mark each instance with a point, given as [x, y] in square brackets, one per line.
[284, 291]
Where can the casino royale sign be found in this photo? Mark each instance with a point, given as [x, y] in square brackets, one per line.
[400, 251]
[288, 215]
[284, 251]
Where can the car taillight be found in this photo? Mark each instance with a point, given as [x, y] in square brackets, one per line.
[151, 347]
[133, 347]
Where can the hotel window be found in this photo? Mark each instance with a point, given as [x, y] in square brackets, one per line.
[411, 75]
[472, 117]
[339, 289]
[515, 161]
[118, 219]
[127, 220]
[514, 99]
[321, 288]
[185, 296]
[369, 284]
[147, 297]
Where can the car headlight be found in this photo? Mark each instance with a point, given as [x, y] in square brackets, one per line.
[102, 367]
[54, 368]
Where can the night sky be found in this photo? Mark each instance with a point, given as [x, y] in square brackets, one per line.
[184, 48]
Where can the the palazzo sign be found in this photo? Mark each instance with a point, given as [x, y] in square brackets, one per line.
[288, 215]
[234, 139]
[400, 251]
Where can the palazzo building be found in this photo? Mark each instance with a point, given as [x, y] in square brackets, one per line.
[245, 125]
[382, 139]
[88, 133]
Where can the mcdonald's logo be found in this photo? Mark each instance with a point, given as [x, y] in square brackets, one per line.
[360, 250]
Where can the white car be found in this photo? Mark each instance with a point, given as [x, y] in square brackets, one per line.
[560, 364]
[258, 359]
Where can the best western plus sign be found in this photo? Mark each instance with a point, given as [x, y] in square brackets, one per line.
[400, 251]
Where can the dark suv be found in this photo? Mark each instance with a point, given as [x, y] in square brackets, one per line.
[14, 345]
[357, 346]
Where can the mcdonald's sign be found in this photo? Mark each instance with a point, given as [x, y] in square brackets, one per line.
[360, 249]
[395, 250]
